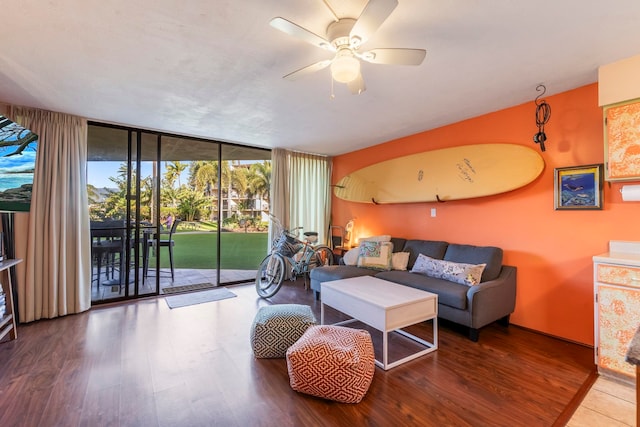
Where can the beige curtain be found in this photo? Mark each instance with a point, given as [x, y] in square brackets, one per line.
[57, 277]
[300, 190]
[310, 192]
[279, 189]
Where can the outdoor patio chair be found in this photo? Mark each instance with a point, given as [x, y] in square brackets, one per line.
[151, 243]
[107, 249]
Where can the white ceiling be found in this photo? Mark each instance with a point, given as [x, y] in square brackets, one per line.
[213, 68]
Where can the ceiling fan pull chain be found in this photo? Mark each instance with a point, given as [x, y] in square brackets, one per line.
[333, 96]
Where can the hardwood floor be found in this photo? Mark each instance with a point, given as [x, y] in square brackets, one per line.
[143, 364]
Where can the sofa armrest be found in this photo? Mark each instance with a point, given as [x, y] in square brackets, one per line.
[494, 299]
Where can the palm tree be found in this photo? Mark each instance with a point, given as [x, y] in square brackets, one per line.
[240, 181]
[168, 191]
[115, 204]
[147, 196]
[173, 172]
[191, 204]
[204, 175]
[259, 179]
[225, 175]
[169, 195]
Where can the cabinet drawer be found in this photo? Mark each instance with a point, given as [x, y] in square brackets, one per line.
[618, 275]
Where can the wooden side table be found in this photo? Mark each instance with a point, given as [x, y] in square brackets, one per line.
[8, 321]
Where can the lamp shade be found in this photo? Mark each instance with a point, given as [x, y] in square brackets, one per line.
[345, 67]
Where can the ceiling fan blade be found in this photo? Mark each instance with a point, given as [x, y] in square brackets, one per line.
[331, 9]
[373, 15]
[308, 70]
[357, 86]
[394, 56]
[297, 31]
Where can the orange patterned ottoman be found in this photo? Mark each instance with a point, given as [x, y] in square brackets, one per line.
[276, 327]
[333, 362]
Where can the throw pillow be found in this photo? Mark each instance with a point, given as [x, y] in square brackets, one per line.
[464, 274]
[375, 255]
[399, 260]
[351, 256]
[381, 238]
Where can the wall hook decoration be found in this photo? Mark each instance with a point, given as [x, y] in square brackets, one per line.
[543, 114]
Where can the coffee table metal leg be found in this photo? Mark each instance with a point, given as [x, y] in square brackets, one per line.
[385, 350]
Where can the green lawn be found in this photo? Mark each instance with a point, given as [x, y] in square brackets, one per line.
[240, 251]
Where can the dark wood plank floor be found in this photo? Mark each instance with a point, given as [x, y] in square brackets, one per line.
[143, 364]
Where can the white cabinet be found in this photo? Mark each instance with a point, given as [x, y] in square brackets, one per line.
[617, 307]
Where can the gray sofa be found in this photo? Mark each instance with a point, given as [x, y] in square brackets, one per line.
[493, 299]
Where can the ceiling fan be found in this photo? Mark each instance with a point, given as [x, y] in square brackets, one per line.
[345, 36]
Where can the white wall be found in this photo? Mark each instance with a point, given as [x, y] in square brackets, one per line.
[618, 81]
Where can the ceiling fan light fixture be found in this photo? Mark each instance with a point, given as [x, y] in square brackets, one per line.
[345, 67]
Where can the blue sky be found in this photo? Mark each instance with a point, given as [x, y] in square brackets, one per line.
[98, 173]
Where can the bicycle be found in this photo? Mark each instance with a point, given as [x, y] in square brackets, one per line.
[287, 249]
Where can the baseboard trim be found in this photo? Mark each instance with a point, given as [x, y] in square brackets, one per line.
[551, 335]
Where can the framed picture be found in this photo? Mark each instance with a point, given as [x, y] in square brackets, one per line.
[578, 187]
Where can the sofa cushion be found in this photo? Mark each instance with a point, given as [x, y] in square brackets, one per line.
[376, 255]
[457, 272]
[489, 255]
[449, 293]
[431, 248]
[398, 243]
[328, 273]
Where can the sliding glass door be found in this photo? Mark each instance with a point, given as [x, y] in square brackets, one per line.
[172, 214]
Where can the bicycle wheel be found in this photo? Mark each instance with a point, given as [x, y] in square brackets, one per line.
[270, 276]
[323, 256]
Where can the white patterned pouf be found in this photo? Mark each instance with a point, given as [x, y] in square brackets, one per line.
[332, 362]
[276, 327]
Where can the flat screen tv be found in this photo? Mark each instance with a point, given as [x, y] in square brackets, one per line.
[18, 148]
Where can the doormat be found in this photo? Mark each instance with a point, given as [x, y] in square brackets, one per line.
[187, 288]
[194, 298]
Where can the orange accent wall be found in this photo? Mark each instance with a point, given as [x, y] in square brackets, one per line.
[552, 249]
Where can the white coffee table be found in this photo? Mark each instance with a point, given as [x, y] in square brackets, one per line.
[385, 306]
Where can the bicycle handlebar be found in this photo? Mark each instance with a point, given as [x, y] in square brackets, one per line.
[292, 232]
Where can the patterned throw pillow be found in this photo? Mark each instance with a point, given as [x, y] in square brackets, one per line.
[375, 255]
[464, 274]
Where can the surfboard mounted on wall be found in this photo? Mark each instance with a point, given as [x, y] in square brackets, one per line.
[456, 173]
